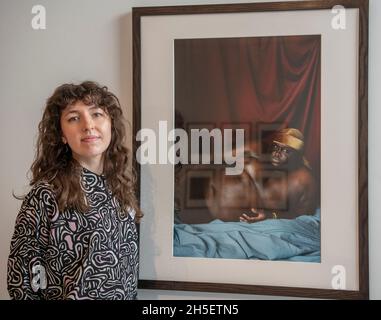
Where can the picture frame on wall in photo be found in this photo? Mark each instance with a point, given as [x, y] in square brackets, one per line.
[289, 81]
[196, 180]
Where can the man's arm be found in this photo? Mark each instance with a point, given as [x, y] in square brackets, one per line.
[302, 192]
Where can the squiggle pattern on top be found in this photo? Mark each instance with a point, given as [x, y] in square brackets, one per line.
[92, 255]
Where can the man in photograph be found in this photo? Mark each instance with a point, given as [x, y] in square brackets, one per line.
[287, 188]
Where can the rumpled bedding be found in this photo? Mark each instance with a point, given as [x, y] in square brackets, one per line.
[281, 239]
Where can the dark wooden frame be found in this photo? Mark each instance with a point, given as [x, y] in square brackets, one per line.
[363, 6]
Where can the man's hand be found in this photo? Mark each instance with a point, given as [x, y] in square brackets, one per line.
[259, 215]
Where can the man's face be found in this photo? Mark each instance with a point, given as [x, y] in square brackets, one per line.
[280, 154]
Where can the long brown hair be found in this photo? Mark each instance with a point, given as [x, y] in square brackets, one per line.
[54, 162]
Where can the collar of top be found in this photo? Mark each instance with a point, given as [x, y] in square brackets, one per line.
[91, 179]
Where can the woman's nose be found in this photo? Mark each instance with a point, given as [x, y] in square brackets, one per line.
[88, 123]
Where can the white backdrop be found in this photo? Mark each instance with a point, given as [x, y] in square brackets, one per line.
[91, 39]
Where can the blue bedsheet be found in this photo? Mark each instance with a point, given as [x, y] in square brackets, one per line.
[294, 240]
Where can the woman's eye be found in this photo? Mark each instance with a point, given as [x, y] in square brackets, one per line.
[73, 119]
[98, 114]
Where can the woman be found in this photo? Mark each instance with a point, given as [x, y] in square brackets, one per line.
[75, 235]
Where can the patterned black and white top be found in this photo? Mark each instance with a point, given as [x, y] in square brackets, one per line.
[72, 255]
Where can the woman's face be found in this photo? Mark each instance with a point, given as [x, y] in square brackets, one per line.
[87, 130]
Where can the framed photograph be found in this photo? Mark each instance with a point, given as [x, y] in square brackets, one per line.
[197, 181]
[283, 201]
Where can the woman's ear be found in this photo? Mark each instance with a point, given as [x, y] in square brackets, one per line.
[64, 140]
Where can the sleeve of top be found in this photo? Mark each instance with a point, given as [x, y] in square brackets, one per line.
[26, 276]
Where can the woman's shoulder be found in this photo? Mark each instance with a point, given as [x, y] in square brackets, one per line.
[39, 206]
[41, 194]
[41, 188]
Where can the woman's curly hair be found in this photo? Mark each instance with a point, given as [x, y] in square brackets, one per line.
[54, 162]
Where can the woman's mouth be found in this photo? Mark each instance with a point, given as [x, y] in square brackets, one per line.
[90, 139]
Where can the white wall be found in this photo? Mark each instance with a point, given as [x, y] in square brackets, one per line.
[91, 39]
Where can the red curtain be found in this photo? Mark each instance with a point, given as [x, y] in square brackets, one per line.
[257, 80]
